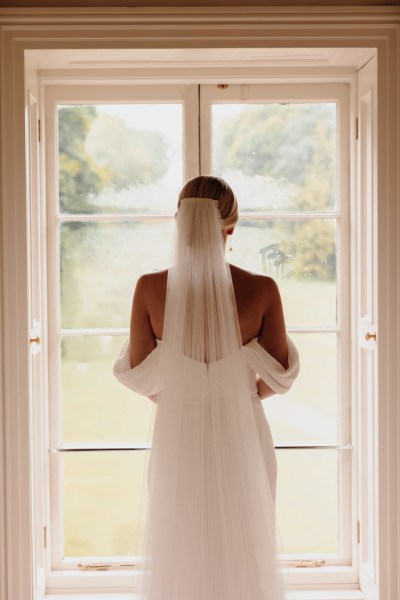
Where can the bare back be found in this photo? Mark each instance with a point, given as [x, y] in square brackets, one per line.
[259, 309]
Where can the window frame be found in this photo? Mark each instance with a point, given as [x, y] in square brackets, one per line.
[91, 94]
[96, 92]
[338, 93]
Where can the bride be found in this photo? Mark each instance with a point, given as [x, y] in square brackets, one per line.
[208, 342]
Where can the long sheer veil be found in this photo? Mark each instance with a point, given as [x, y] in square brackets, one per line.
[210, 528]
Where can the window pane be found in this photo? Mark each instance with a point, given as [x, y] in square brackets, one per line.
[300, 256]
[119, 157]
[307, 501]
[308, 412]
[277, 157]
[95, 407]
[97, 484]
[101, 502]
[100, 263]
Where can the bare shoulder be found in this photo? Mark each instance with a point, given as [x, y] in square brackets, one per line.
[259, 306]
[251, 276]
[151, 283]
[147, 314]
[256, 284]
[153, 277]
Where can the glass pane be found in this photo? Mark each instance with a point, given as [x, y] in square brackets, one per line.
[308, 412]
[119, 157]
[97, 484]
[100, 263]
[277, 157]
[95, 406]
[300, 256]
[307, 501]
[103, 509]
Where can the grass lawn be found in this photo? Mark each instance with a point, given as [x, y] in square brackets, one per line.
[102, 491]
[102, 515]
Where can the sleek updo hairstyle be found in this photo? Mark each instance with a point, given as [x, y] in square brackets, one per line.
[208, 186]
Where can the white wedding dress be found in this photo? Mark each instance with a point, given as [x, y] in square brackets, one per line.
[210, 529]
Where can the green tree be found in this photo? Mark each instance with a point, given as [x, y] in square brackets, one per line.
[274, 139]
[127, 156]
[79, 178]
[294, 144]
[311, 254]
[96, 152]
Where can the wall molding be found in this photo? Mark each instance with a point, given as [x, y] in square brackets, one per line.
[202, 15]
[195, 3]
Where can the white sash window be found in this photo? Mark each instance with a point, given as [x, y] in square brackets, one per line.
[116, 157]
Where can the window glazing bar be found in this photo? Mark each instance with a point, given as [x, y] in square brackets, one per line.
[244, 216]
[94, 331]
[167, 216]
[125, 330]
[147, 446]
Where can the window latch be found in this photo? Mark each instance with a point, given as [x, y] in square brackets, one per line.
[99, 566]
[300, 564]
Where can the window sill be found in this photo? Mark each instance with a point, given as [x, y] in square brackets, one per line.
[325, 595]
[295, 595]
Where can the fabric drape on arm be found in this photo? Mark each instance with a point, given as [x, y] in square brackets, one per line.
[269, 369]
[145, 377]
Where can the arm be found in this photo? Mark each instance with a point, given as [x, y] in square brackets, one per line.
[272, 336]
[142, 340]
[263, 390]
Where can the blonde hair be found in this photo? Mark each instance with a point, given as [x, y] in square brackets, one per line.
[215, 188]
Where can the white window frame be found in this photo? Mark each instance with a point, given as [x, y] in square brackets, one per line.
[339, 94]
[336, 569]
[371, 27]
[55, 95]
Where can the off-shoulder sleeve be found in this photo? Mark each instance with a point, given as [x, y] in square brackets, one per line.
[269, 369]
[143, 378]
